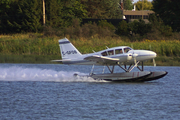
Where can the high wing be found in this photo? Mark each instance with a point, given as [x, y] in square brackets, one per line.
[102, 60]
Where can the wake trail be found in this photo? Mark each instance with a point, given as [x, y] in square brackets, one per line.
[16, 73]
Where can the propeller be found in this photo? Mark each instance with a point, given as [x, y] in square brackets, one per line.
[134, 55]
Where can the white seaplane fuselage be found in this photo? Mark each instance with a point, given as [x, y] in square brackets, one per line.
[122, 54]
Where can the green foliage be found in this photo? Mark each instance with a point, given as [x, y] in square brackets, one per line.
[158, 24]
[143, 28]
[140, 27]
[21, 15]
[8, 10]
[105, 24]
[63, 17]
[133, 26]
[128, 5]
[26, 15]
[72, 9]
[102, 9]
[7, 58]
[166, 30]
[5, 4]
[35, 49]
[33, 11]
[29, 46]
[89, 30]
[168, 13]
[53, 13]
[143, 5]
[123, 28]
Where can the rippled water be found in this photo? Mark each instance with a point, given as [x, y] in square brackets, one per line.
[47, 91]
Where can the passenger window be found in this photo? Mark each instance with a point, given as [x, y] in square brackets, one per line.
[111, 52]
[126, 50]
[118, 51]
[104, 53]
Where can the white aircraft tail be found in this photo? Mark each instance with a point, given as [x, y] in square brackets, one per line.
[67, 49]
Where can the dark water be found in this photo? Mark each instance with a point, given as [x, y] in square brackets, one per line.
[40, 91]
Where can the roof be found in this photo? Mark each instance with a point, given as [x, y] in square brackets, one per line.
[138, 12]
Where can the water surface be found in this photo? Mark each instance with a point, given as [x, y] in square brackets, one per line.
[47, 91]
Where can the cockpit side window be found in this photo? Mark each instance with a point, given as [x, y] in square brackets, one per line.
[111, 52]
[118, 51]
[104, 53]
[126, 50]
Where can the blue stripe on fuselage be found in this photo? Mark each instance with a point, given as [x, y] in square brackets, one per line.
[64, 42]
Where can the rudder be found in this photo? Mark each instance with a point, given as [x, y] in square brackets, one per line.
[67, 49]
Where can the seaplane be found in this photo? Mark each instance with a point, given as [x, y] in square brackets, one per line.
[124, 57]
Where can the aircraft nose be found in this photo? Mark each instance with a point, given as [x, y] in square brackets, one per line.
[152, 54]
[143, 54]
[148, 54]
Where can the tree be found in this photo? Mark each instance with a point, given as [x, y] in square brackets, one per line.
[168, 12]
[143, 5]
[140, 27]
[143, 28]
[128, 5]
[123, 28]
[104, 24]
[8, 10]
[21, 15]
[72, 9]
[53, 13]
[26, 15]
[158, 24]
[102, 9]
[31, 13]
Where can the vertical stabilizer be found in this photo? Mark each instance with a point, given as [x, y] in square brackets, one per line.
[67, 49]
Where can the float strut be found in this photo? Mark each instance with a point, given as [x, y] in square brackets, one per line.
[92, 70]
[122, 67]
[141, 69]
[111, 70]
[134, 66]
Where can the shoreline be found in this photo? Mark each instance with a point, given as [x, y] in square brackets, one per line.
[46, 59]
[34, 48]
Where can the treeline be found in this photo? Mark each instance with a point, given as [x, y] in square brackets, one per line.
[64, 18]
[26, 15]
[133, 31]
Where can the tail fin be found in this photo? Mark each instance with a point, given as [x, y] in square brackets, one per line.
[67, 49]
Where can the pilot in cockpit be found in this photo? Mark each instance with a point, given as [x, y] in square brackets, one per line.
[120, 51]
[126, 50]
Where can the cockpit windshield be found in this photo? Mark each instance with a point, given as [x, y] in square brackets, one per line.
[111, 52]
[127, 49]
[104, 53]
